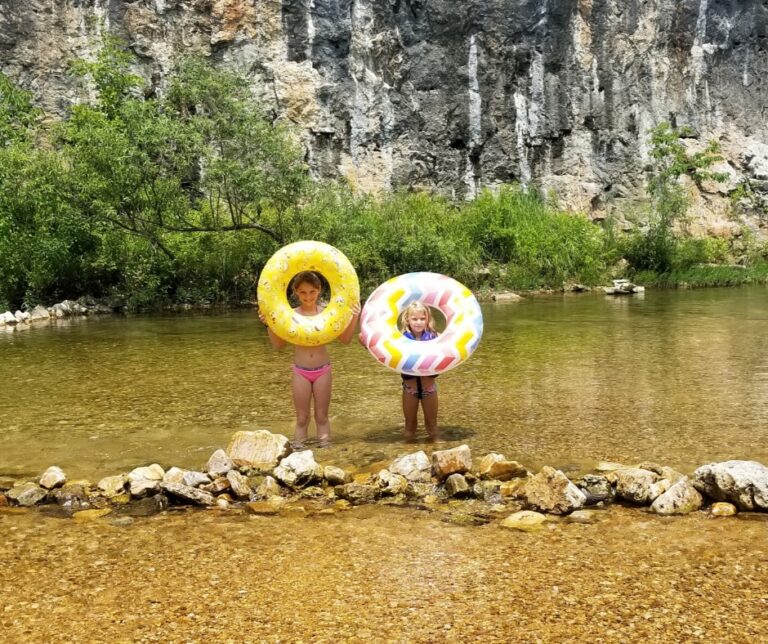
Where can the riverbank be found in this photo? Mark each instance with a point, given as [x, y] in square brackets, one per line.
[381, 574]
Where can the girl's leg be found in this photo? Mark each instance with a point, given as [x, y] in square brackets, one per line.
[321, 391]
[302, 395]
[411, 414]
[429, 405]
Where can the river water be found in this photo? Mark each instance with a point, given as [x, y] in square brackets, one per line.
[677, 377]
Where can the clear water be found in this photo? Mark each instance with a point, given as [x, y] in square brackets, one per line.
[678, 377]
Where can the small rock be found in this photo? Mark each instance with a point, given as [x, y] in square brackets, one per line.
[525, 521]
[420, 490]
[596, 488]
[140, 488]
[269, 487]
[390, 483]
[260, 450]
[496, 466]
[39, 313]
[582, 516]
[187, 493]
[723, 509]
[551, 491]
[451, 461]
[145, 507]
[299, 469]
[219, 463]
[335, 475]
[681, 498]
[194, 479]
[513, 489]
[261, 507]
[149, 473]
[414, 467]
[637, 485]
[456, 485]
[174, 475]
[53, 477]
[217, 486]
[111, 486]
[357, 493]
[27, 494]
[91, 515]
[239, 484]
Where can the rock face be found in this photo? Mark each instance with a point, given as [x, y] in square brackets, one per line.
[392, 94]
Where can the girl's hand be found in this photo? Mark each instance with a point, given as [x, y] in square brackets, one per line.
[262, 318]
[356, 309]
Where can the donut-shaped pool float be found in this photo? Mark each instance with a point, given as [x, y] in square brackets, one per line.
[380, 334]
[275, 278]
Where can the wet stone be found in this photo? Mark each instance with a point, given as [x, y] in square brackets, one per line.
[91, 515]
[391, 483]
[551, 491]
[420, 490]
[259, 450]
[357, 493]
[187, 493]
[681, 498]
[3, 500]
[71, 497]
[596, 488]
[239, 484]
[261, 507]
[111, 486]
[415, 467]
[146, 507]
[496, 466]
[299, 469]
[147, 473]
[335, 475]
[174, 475]
[524, 521]
[636, 485]
[195, 479]
[217, 486]
[582, 516]
[456, 485]
[53, 477]
[743, 483]
[219, 463]
[144, 487]
[723, 509]
[451, 461]
[269, 487]
[27, 494]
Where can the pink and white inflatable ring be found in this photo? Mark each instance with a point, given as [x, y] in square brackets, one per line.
[380, 334]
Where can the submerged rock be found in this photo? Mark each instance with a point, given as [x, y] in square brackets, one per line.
[269, 487]
[357, 493]
[456, 485]
[596, 488]
[723, 509]
[525, 521]
[743, 483]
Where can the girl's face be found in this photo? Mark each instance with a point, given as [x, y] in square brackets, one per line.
[307, 294]
[417, 321]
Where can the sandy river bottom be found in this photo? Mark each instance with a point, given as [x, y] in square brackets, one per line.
[381, 574]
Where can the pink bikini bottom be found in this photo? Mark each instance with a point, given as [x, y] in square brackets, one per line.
[312, 373]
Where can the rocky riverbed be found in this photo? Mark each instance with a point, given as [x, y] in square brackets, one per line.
[267, 544]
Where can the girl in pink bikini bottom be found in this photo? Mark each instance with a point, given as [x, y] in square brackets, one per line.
[312, 373]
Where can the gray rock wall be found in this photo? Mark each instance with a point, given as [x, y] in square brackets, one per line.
[454, 96]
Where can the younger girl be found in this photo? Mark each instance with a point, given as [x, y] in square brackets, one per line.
[312, 366]
[416, 324]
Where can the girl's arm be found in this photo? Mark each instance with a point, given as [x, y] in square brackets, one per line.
[276, 342]
[346, 334]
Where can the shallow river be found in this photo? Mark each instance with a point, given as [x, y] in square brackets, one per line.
[679, 377]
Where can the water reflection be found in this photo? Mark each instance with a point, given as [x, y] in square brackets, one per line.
[678, 377]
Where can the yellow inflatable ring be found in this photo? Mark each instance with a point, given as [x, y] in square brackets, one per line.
[275, 278]
[380, 334]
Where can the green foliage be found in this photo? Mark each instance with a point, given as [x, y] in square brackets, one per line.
[17, 113]
[656, 248]
[539, 245]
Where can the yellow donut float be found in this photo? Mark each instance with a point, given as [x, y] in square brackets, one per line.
[275, 279]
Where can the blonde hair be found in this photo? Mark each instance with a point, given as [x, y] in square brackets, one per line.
[416, 307]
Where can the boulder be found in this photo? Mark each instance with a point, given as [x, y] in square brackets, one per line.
[496, 466]
[8, 318]
[451, 461]
[414, 467]
[39, 313]
[681, 498]
[261, 450]
[299, 469]
[551, 491]
[743, 483]
[53, 477]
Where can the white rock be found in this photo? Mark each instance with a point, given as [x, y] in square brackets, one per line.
[299, 469]
[391, 483]
[414, 467]
[261, 450]
[174, 475]
[149, 473]
[681, 498]
[335, 475]
[112, 485]
[39, 313]
[8, 318]
[451, 461]
[195, 479]
[239, 484]
[53, 477]
[219, 463]
[743, 483]
[140, 488]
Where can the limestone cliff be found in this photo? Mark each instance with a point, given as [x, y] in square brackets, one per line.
[454, 96]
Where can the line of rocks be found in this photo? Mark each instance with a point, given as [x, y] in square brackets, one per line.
[65, 309]
[260, 474]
